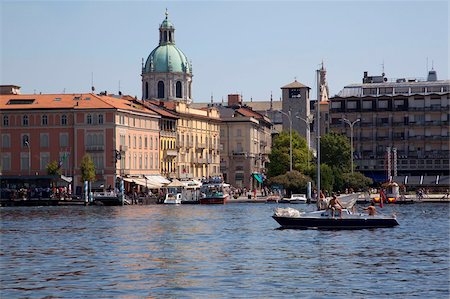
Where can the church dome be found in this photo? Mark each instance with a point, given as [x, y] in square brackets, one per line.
[167, 58]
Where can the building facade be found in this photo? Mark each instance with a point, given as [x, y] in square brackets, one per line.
[403, 125]
[245, 142]
[38, 129]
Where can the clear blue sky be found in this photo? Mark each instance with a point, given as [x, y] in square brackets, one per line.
[249, 47]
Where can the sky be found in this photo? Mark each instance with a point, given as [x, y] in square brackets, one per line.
[247, 47]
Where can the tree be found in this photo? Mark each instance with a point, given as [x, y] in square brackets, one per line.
[292, 181]
[335, 151]
[53, 168]
[280, 155]
[87, 169]
[326, 177]
[356, 181]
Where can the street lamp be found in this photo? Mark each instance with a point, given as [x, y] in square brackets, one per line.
[308, 121]
[351, 124]
[29, 156]
[290, 135]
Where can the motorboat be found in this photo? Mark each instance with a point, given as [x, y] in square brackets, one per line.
[294, 199]
[172, 198]
[214, 191]
[323, 219]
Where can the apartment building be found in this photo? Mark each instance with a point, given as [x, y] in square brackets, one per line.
[245, 141]
[400, 125]
[39, 128]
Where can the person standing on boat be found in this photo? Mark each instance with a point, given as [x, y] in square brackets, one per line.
[334, 205]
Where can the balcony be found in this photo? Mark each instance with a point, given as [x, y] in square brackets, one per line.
[99, 171]
[95, 148]
[239, 154]
[170, 153]
[201, 145]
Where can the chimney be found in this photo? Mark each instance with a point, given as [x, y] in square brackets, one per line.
[234, 99]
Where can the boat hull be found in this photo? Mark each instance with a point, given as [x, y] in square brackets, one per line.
[213, 200]
[335, 223]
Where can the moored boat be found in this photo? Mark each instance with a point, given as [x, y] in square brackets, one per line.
[214, 191]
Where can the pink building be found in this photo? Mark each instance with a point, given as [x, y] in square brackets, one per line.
[36, 129]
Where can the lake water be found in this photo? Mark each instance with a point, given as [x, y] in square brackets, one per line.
[230, 251]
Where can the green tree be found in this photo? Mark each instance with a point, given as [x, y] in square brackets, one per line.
[280, 155]
[335, 150]
[53, 168]
[356, 181]
[292, 181]
[87, 169]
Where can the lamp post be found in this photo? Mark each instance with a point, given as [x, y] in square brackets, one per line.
[29, 156]
[308, 121]
[351, 124]
[290, 136]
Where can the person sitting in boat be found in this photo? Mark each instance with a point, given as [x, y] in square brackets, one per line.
[371, 210]
[334, 205]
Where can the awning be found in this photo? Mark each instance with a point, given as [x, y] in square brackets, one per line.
[258, 177]
[157, 180]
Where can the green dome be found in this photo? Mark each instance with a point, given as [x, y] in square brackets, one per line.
[166, 24]
[167, 58]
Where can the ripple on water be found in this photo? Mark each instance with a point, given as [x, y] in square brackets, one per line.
[217, 252]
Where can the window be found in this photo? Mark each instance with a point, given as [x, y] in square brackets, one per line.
[25, 141]
[160, 89]
[63, 140]
[6, 141]
[156, 143]
[145, 142]
[100, 118]
[64, 120]
[6, 161]
[24, 161]
[5, 120]
[140, 143]
[146, 161]
[151, 142]
[367, 105]
[140, 161]
[151, 160]
[146, 90]
[134, 143]
[383, 104]
[89, 119]
[44, 140]
[178, 89]
[351, 105]
[25, 120]
[239, 133]
[44, 120]
[44, 160]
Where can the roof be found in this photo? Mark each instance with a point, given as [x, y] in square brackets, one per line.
[68, 101]
[295, 84]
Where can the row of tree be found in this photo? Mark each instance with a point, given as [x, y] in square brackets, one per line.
[335, 167]
[87, 168]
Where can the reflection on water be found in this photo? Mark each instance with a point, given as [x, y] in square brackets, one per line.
[225, 251]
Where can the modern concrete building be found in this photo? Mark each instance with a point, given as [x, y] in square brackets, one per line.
[403, 125]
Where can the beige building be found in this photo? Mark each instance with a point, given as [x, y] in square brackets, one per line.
[406, 118]
[245, 140]
[197, 140]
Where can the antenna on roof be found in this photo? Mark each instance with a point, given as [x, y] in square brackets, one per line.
[432, 64]
[212, 100]
[222, 100]
[64, 90]
[120, 93]
[271, 101]
[142, 62]
[382, 68]
[92, 82]
[427, 63]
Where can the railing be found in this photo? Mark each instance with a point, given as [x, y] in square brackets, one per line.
[95, 148]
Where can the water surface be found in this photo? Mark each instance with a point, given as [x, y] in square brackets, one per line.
[230, 251]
